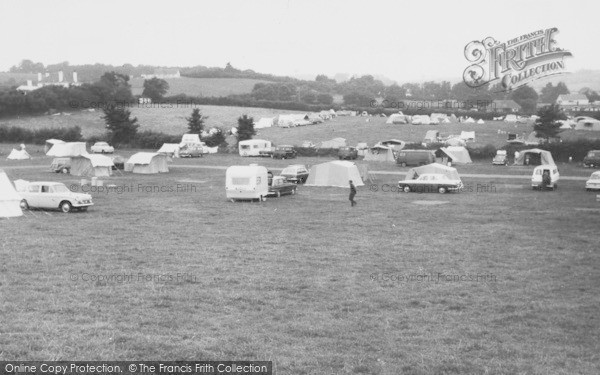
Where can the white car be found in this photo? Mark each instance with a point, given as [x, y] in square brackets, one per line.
[102, 148]
[545, 177]
[53, 195]
[594, 182]
[430, 183]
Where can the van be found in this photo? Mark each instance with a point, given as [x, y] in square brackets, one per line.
[592, 159]
[545, 177]
[247, 182]
[415, 157]
[347, 152]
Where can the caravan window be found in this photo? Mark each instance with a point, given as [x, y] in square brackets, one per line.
[244, 147]
[240, 181]
[255, 146]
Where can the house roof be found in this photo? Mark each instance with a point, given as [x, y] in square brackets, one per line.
[572, 97]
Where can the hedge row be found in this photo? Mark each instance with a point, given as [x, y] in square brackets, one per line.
[39, 136]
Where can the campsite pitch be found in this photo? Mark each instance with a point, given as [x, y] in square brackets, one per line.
[500, 282]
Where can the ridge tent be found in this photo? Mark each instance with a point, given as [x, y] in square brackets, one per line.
[431, 136]
[191, 140]
[396, 118]
[467, 136]
[480, 121]
[469, 120]
[265, 122]
[510, 118]
[334, 173]
[212, 150]
[334, 143]
[439, 117]
[92, 166]
[446, 120]
[315, 118]
[457, 154]
[67, 149]
[380, 153]
[10, 200]
[169, 149]
[332, 113]
[422, 120]
[449, 172]
[18, 155]
[50, 143]
[147, 163]
[534, 156]
[455, 141]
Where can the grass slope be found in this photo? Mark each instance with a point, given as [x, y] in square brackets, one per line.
[202, 86]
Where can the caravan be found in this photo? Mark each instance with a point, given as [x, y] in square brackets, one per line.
[247, 182]
[253, 147]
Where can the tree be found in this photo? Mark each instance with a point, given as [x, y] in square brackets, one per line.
[122, 129]
[215, 138]
[113, 87]
[526, 97]
[196, 122]
[546, 126]
[245, 129]
[592, 95]
[324, 98]
[155, 88]
[550, 93]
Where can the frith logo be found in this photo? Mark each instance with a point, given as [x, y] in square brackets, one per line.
[516, 62]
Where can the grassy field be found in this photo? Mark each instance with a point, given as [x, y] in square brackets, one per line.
[201, 86]
[172, 119]
[307, 281]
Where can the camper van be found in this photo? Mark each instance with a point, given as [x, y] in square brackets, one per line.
[545, 177]
[415, 157]
[243, 182]
[253, 147]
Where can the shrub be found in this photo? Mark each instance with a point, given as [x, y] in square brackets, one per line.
[153, 140]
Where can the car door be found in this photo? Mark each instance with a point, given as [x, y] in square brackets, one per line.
[31, 195]
[45, 197]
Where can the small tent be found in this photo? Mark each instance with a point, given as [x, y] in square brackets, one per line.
[67, 149]
[397, 118]
[469, 120]
[439, 117]
[532, 139]
[422, 120]
[587, 123]
[480, 121]
[431, 136]
[362, 148]
[467, 136]
[534, 156]
[18, 155]
[380, 153]
[91, 166]
[10, 200]
[191, 140]
[169, 149]
[265, 122]
[147, 163]
[455, 141]
[510, 118]
[457, 154]
[334, 173]
[449, 172]
[50, 143]
[334, 143]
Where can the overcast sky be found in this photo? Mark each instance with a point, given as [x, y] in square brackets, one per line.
[405, 41]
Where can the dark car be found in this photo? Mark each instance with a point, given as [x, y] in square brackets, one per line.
[279, 186]
[191, 152]
[592, 159]
[284, 152]
[296, 173]
[347, 152]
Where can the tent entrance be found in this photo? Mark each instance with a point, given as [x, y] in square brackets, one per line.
[532, 159]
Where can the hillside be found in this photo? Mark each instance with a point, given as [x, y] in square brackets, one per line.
[202, 86]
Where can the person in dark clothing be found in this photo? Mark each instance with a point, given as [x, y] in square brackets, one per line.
[352, 194]
[546, 180]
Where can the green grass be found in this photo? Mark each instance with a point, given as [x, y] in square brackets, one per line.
[202, 86]
[290, 279]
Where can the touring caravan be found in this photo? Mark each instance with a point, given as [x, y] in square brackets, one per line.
[247, 182]
[253, 147]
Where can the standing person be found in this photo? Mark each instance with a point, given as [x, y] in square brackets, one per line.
[352, 194]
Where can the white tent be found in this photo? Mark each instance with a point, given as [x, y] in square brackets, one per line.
[587, 123]
[18, 155]
[480, 121]
[431, 136]
[10, 200]
[467, 136]
[91, 166]
[455, 141]
[362, 148]
[169, 149]
[334, 143]
[534, 156]
[457, 154]
[67, 149]
[147, 163]
[396, 118]
[510, 118]
[532, 139]
[449, 172]
[50, 143]
[334, 173]
[191, 140]
[422, 120]
[212, 150]
[380, 153]
[469, 120]
[446, 120]
[288, 121]
[265, 122]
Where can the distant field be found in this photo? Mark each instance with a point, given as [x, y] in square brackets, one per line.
[16, 78]
[201, 86]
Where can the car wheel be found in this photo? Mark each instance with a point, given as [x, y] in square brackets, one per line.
[66, 207]
[442, 190]
[403, 164]
[102, 152]
[263, 198]
[406, 189]
[24, 205]
[65, 170]
[278, 194]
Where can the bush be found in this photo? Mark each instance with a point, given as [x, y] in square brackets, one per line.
[153, 140]
[39, 136]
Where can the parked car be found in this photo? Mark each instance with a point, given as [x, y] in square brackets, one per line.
[594, 182]
[191, 151]
[280, 186]
[102, 148]
[415, 157]
[296, 173]
[545, 177]
[284, 152]
[61, 165]
[348, 152]
[429, 183]
[501, 158]
[592, 159]
[53, 195]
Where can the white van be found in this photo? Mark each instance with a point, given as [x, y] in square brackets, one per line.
[537, 179]
[253, 147]
[247, 182]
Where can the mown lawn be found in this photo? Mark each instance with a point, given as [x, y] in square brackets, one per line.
[307, 281]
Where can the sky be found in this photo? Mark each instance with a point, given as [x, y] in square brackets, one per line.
[405, 41]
